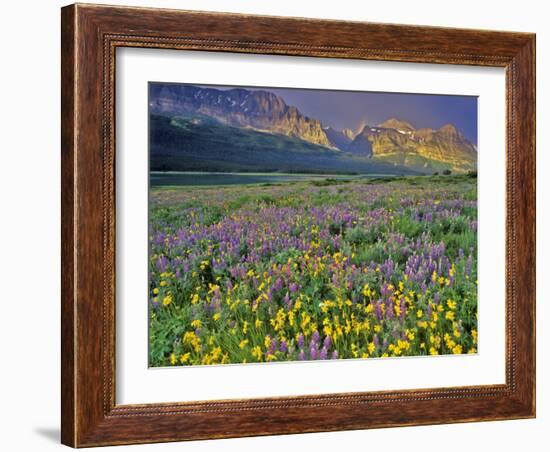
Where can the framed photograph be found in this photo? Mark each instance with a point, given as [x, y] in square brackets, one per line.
[281, 225]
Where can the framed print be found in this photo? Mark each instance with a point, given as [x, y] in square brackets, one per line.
[279, 225]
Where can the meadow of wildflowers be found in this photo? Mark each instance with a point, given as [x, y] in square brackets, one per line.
[326, 269]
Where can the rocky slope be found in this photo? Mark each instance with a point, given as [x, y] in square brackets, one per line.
[239, 107]
[399, 141]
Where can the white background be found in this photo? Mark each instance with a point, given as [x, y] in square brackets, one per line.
[137, 384]
[29, 266]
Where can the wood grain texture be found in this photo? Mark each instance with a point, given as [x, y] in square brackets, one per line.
[90, 36]
[68, 311]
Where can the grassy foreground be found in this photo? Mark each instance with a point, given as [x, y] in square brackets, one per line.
[324, 269]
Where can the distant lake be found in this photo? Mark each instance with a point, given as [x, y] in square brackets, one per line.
[163, 179]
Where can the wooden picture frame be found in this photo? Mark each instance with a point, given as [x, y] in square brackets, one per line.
[90, 36]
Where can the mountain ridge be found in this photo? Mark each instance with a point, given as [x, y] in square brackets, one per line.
[394, 141]
[261, 110]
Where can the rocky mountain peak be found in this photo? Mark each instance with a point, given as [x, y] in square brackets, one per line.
[397, 124]
[449, 130]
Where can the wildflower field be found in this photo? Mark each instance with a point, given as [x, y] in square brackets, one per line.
[308, 270]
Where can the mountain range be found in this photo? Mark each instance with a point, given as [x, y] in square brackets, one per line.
[194, 127]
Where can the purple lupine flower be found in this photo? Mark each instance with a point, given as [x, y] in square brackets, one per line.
[278, 284]
[287, 301]
[334, 354]
[301, 340]
[385, 291]
[327, 343]
[313, 353]
[283, 347]
[301, 355]
[323, 353]
[273, 347]
[162, 263]
[315, 337]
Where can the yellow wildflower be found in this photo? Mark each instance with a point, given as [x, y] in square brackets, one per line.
[291, 318]
[257, 352]
[216, 353]
[371, 347]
